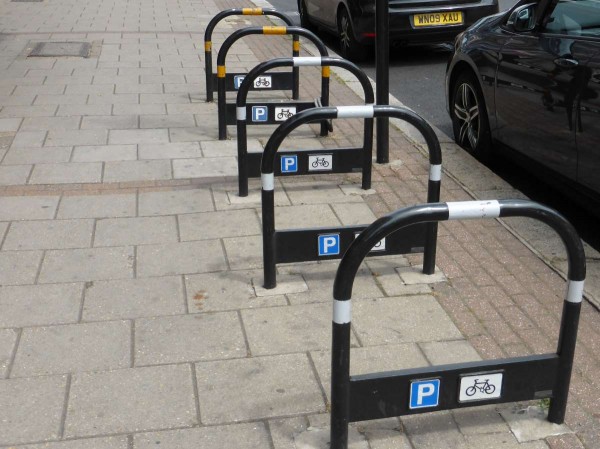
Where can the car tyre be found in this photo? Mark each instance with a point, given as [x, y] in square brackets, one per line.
[469, 117]
[350, 48]
[304, 19]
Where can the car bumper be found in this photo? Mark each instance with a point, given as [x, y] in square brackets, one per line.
[402, 26]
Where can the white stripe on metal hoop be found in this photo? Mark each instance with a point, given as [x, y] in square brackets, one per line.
[342, 311]
[435, 172]
[365, 111]
[240, 113]
[574, 291]
[307, 61]
[462, 210]
[268, 181]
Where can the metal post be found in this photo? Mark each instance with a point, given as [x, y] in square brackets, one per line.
[296, 70]
[382, 59]
[268, 218]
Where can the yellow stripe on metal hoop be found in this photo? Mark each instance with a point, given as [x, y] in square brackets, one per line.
[325, 71]
[208, 46]
[296, 46]
[252, 11]
[221, 71]
[274, 30]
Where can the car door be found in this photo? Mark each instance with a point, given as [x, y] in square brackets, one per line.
[537, 83]
[323, 11]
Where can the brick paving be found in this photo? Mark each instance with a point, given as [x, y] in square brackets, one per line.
[130, 272]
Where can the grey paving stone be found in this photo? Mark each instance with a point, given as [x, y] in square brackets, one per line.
[72, 265]
[44, 123]
[220, 148]
[445, 352]
[76, 137]
[28, 111]
[8, 338]
[195, 134]
[134, 298]
[204, 167]
[124, 171]
[167, 121]
[206, 336]
[135, 231]
[10, 124]
[119, 442]
[280, 330]
[180, 258]
[479, 420]
[305, 216]
[29, 139]
[530, 423]
[414, 275]
[14, 174]
[379, 322]
[179, 150]
[49, 234]
[69, 173]
[434, 430]
[164, 98]
[38, 305]
[185, 201]
[317, 193]
[109, 122]
[78, 99]
[73, 348]
[139, 109]
[82, 109]
[97, 206]
[283, 431]
[238, 436]
[235, 223]
[135, 88]
[257, 388]
[19, 267]
[138, 136]
[244, 252]
[100, 153]
[113, 99]
[226, 290]
[286, 285]
[19, 156]
[354, 213]
[503, 440]
[131, 400]
[17, 100]
[31, 409]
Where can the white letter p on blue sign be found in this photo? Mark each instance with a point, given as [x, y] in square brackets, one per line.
[329, 244]
[289, 164]
[424, 393]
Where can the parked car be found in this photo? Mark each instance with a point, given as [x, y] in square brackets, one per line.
[411, 21]
[528, 80]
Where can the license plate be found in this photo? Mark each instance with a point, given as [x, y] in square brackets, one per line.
[435, 19]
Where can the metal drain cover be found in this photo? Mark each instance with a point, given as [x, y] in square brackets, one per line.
[57, 49]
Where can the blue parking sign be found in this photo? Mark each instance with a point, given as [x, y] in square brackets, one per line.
[237, 81]
[260, 114]
[424, 393]
[289, 164]
[329, 244]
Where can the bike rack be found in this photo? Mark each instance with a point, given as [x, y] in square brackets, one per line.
[226, 118]
[445, 387]
[346, 160]
[301, 245]
[281, 81]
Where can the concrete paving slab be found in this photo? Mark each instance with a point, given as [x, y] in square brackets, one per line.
[14, 174]
[97, 206]
[19, 267]
[239, 436]
[27, 207]
[221, 148]
[73, 348]
[286, 284]
[73, 265]
[211, 225]
[186, 338]
[187, 201]
[138, 136]
[128, 171]
[135, 231]
[356, 189]
[244, 253]
[180, 258]
[49, 234]
[305, 216]
[319, 192]
[24, 139]
[384, 434]
[257, 388]
[131, 400]
[414, 275]
[354, 214]
[445, 352]
[76, 137]
[177, 150]
[31, 409]
[319, 438]
[501, 440]
[480, 420]
[8, 339]
[133, 298]
[38, 305]
[119, 442]
[101, 153]
[529, 423]
[32, 155]
[68, 173]
[204, 167]
[196, 134]
[398, 320]
[434, 430]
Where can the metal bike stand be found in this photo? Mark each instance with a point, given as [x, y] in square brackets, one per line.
[301, 162]
[229, 119]
[282, 81]
[300, 245]
[445, 387]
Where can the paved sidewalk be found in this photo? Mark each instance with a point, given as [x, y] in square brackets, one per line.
[131, 307]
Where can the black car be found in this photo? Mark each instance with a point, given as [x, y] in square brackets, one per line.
[529, 81]
[411, 21]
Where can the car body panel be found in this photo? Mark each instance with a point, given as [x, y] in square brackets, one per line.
[588, 126]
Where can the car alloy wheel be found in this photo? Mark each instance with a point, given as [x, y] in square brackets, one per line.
[350, 47]
[469, 117]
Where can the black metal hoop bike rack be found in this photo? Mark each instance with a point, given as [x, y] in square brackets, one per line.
[302, 162]
[444, 387]
[226, 111]
[278, 81]
[301, 245]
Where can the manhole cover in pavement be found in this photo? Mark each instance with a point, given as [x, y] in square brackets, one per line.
[56, 49]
